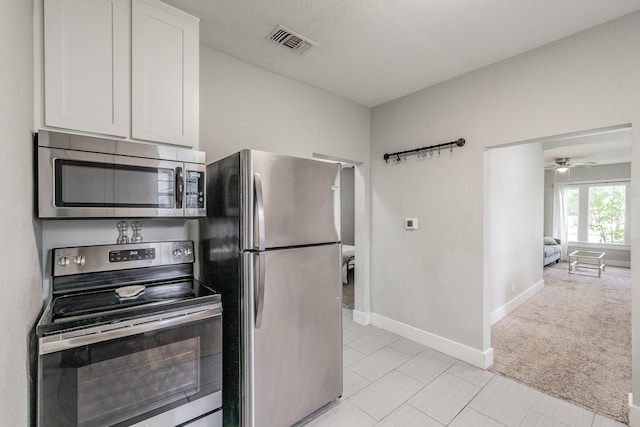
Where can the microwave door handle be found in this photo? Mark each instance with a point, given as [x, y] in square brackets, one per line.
[257, 182]
[179, 187]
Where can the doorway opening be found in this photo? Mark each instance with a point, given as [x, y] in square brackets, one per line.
[555, 331]
[353, 235]
[347, 227]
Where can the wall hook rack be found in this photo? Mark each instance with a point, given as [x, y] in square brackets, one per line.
[422, 152]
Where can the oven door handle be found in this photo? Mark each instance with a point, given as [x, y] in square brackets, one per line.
[66, 341]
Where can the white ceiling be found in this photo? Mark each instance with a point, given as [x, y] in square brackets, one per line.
[373, 51]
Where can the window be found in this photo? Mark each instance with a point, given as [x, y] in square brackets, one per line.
[606, 214]
[596, 213]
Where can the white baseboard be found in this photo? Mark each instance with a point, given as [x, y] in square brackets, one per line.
[634, 413]
[361, 317]
[452, 348]
[500, 312]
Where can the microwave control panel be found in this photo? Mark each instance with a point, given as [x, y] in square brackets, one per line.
[194, 190]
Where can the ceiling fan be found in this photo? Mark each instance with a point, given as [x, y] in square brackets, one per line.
[562, 165]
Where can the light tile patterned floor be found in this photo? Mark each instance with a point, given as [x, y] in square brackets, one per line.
[390, 381]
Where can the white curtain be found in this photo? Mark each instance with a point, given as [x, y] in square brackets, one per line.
[560, 216]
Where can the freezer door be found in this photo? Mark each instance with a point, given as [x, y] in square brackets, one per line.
[290, 201]
[297, 348]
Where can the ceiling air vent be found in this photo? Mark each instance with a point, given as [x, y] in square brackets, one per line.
[287, 38]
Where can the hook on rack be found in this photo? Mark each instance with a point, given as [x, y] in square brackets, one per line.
[422, 152]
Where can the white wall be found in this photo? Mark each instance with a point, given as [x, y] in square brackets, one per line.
[433, 280]
[514, 202]
[242, 106]
[20, 283]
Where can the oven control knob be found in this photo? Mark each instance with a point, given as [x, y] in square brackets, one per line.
[177, 252]
[63, 261]
[80, 260]
[188, 251]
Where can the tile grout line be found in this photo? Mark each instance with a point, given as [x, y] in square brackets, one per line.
[466, 404]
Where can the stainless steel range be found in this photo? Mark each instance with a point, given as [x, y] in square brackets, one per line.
[129, 338]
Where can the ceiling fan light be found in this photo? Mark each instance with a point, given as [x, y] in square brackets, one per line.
[562, 169]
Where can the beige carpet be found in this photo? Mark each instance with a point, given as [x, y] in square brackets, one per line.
[572, 340]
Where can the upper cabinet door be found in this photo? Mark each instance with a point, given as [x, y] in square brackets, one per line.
[86, 60]
[164, 74]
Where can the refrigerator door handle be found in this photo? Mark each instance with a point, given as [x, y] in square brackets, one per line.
[257, 180]
[259, 289]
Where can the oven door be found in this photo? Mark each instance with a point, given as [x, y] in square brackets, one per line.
[155, 371]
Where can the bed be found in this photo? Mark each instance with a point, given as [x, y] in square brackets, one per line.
[348, 260]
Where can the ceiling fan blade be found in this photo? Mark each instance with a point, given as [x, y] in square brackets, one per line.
[582, 165]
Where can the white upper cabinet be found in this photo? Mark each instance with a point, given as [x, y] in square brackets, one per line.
[164, 74]
[86, 60]
[127, 68]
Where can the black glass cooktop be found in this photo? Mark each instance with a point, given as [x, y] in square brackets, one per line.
[79, 310]
[97, 302]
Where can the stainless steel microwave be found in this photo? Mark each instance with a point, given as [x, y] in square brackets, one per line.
[88, 177]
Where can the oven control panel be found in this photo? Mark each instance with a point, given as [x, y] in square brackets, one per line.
[132, 255]
[91, 259]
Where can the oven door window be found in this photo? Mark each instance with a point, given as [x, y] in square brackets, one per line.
[93, 184]
[129, 379]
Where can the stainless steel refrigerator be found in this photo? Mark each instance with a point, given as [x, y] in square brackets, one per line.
[271, 244]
